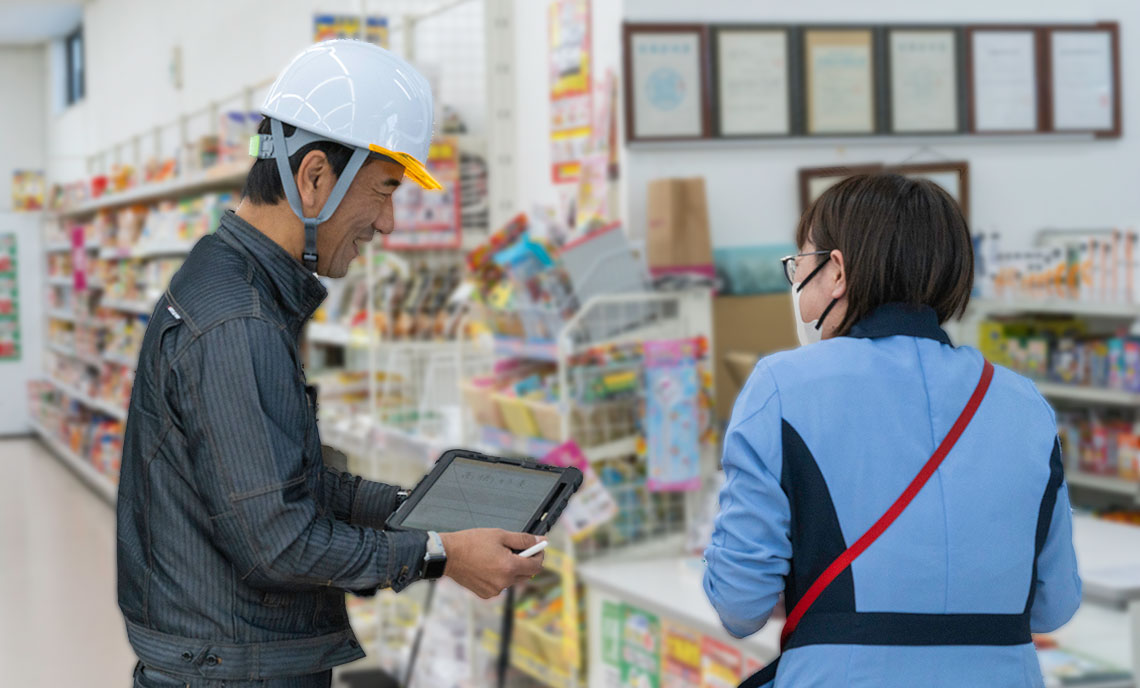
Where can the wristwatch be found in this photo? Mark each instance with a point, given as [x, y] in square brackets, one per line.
[401, 497]
[435, 558]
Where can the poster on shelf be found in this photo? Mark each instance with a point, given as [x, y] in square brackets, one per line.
[429, 220]
[9, 299]
[27, 191]
[924, 80]
[570, 86]
[720, 664]
[592, 505]
[1083, 78]
[1005, 81]
[680, 656]
[327, 27]
[611, 644]
[78, 258]
[672, 417]
[840, 91]
[640, 648]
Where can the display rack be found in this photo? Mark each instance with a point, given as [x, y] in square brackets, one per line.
[966, 331]
[98, 482]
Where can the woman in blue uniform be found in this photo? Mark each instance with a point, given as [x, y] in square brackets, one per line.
[826, 438]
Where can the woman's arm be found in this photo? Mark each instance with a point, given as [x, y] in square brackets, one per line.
[750, 550]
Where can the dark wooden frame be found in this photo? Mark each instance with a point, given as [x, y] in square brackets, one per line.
[876, 78]
[702, 31]
[1113, 30]
[792, 66]
[1039, 72]
[808, 173]
[962, 167]
[959, 76]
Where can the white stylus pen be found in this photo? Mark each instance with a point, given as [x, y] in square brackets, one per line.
[531, 551]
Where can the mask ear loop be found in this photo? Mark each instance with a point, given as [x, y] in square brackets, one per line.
[813, 273]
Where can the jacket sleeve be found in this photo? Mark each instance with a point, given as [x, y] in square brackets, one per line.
[358, 501]
[750, 550]
[1057, 591]
[244, 412]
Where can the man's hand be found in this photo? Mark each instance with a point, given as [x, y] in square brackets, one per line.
[481, 559]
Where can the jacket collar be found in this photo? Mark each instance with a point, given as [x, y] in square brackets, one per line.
[893, 319]
[296, 291]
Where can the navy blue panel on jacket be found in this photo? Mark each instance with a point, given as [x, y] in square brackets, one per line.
[236, 543]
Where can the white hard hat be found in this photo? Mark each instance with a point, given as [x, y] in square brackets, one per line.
[356, 94]
[361, 95]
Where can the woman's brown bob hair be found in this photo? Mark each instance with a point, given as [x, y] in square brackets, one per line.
[903, 241]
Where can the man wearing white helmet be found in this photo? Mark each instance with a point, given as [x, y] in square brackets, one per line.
[235, 542]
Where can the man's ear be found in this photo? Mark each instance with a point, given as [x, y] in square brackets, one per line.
[315, 180]
[839, 281]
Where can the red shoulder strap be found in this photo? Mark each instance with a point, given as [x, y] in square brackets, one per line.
[839, 565]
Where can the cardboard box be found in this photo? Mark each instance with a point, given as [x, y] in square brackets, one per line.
[744, 329]
[677, 236]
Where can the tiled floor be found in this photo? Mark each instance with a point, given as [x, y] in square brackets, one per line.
[59, 622]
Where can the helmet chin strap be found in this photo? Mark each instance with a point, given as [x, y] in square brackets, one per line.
[281, 155]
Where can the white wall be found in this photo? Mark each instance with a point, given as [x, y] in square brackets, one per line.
[1017, 185]
[21, 114]
[22, 132]
[225, 46]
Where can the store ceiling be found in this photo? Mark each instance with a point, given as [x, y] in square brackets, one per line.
[25, 22]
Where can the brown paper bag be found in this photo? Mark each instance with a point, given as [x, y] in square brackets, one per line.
[677, 239]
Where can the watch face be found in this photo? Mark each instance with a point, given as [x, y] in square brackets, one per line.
[433, 568]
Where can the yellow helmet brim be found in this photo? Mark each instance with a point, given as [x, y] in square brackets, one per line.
[413, 169]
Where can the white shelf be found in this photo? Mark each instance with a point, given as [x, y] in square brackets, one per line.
[65, 247]
[328, 333]
[105, 407]
[120, 360]
[57, 314]
[61, 280]
[136, 307]
[146, 251]
[1096, 395]
[494, 440]
[219, 177]
[72, 353]
[1058, 307]
[1103, 483]
[101, 484]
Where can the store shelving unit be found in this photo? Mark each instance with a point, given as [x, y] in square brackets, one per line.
[107, 408]
[966, 332]
[99, 483]
[219, 177]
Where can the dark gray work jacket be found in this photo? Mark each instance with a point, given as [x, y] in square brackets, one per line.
[236, 543]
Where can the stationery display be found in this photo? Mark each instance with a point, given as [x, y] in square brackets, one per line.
[672, 423]
[1099, 269]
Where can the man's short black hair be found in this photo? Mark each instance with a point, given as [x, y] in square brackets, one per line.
[263, 184]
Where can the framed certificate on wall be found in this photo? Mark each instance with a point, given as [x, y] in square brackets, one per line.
[751, 67]
[924, 79]
[951, 175]
[1084, 79]
[1004, 72]
[839, 81]
[666, 92]
[815, 180]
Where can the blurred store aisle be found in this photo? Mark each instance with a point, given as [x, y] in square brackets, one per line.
[59, 622]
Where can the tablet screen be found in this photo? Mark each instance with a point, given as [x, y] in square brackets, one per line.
[478, 494]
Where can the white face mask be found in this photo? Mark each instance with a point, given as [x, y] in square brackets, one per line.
[806, 332]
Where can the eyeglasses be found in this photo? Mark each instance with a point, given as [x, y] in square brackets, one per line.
[790, 264]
